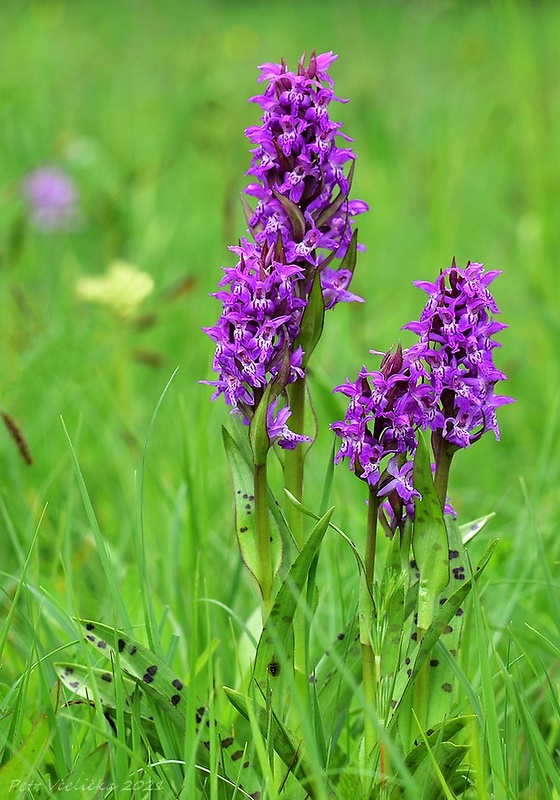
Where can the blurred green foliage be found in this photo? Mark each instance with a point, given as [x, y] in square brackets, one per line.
[454, 110]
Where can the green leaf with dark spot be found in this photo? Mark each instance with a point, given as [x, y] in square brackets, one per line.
[161, 685]
[420, 652]
[156, 678]
[278, 625]
[440, 701]
[244, 499]
[80, 680]
[429, 538]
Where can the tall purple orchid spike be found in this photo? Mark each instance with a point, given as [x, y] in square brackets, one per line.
[302, 222]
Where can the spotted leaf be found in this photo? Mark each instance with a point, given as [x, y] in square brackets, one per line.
[244, 498]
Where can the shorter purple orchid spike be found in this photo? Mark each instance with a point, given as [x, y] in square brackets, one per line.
[456, 342]
[378, 432]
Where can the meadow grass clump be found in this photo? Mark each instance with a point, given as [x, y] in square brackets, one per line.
[393, 635]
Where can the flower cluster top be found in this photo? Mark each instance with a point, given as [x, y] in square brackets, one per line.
[456, 342]
[303, 220]
[302, 189]
[444, 383]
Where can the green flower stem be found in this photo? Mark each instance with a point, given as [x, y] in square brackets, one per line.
[265, 575]
[293, 481]
[293, 460]
[443, 454]
[369, 674]
[371, 538]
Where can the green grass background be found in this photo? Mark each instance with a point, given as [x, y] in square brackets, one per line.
[454, 110]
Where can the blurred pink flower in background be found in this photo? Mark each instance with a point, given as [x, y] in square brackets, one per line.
[51, 197]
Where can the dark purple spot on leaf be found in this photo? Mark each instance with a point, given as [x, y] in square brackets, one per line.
[459, 573]
[90, 638]
[175, 699]
[243, 529]
[434, 662]
[273, 668]
[177, 684]
[443, 601]
[151, 670]
[459, 612]
[341, 636]
[147, 678]
[122, 645]
[101, 644]
[74, 684]
[407, 661]
[107, 677]
[447, 687]
[237, 755]
[132, 650]
[227, 742]
[448, 629]
[414, 636]
[90, 626]
[453, 554]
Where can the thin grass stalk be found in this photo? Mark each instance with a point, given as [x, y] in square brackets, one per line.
[369, 673]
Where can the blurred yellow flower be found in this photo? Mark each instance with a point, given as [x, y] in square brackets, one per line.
[121, 289]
